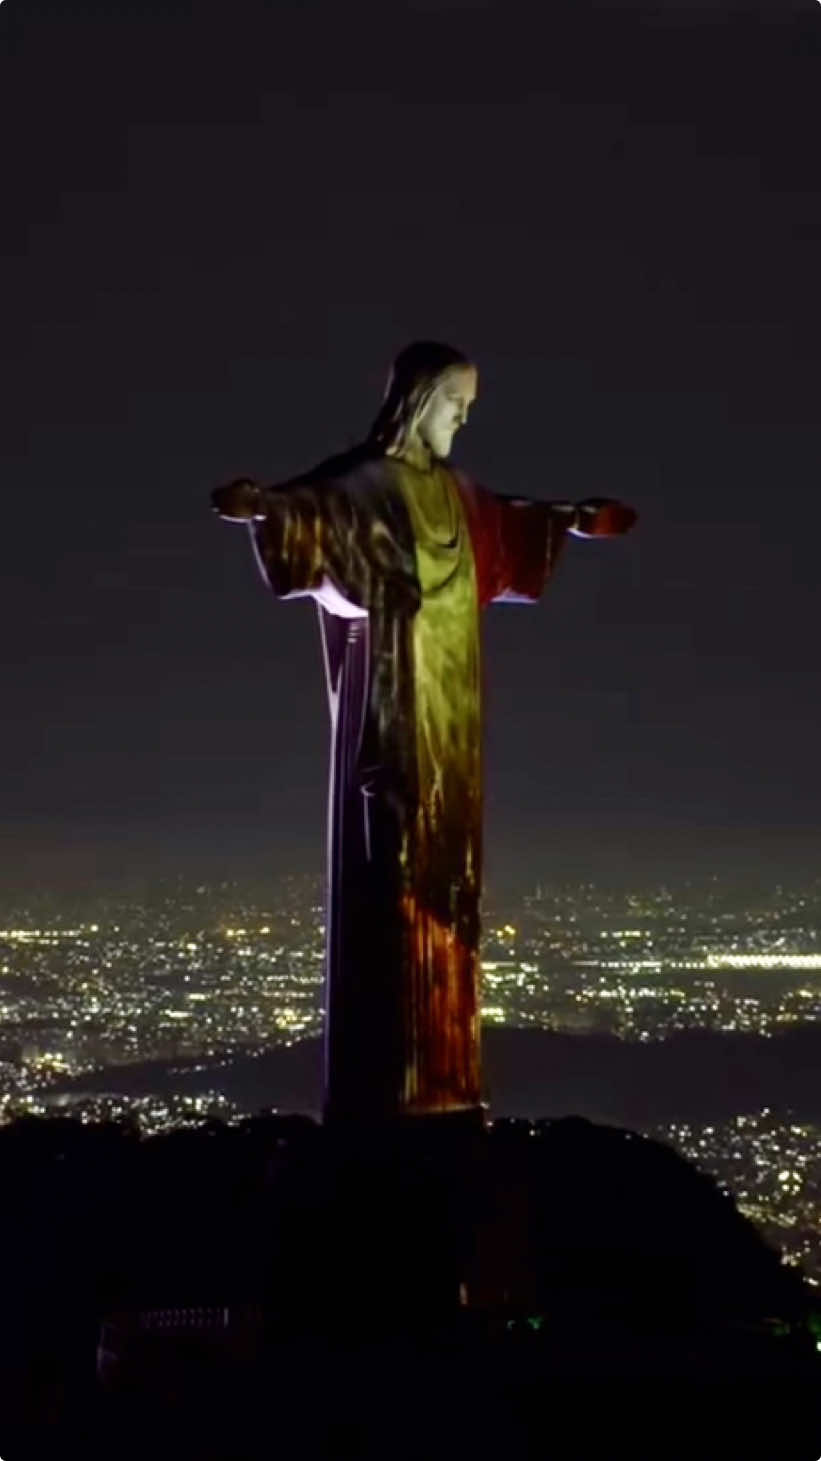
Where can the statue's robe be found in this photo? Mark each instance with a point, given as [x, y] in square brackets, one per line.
[401, 562]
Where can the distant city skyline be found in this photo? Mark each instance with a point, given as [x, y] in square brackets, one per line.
[60, 863]
[643, 963]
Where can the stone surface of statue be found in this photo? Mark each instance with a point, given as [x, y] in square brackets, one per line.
[402, 552]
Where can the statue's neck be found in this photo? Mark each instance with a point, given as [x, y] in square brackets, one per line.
[416, 454]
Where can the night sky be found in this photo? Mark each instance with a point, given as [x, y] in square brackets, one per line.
[219, 224]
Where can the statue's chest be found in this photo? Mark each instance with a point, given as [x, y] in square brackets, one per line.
[442, 552]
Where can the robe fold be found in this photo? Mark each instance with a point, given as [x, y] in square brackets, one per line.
[401, 561]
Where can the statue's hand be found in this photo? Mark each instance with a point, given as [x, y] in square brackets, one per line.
[602, 517]
[238, 501]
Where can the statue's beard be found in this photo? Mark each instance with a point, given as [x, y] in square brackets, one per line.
[441, 450]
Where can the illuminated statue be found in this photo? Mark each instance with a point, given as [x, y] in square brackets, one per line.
[401, 552]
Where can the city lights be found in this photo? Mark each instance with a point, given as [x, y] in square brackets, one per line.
[166, 982]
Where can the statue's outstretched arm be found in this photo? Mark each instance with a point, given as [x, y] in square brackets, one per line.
[518, 541]
[597, 517]
[304, 539]
[240, 501]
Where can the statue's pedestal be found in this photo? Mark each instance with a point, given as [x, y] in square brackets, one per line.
[434, 1129]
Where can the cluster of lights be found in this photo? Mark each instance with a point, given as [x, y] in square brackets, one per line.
[45, 935]
[763, 961]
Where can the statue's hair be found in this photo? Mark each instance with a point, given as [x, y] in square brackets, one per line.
[412, 379]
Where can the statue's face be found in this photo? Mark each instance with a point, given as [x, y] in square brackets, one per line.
[447, 409]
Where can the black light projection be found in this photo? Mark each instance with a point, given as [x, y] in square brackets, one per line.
[401, 552]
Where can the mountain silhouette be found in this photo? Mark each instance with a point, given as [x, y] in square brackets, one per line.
[695, 1075]
[565, 1289]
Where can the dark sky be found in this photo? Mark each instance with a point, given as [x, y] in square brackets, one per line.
[219, 224]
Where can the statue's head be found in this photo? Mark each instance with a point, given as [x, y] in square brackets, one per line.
[430, 390]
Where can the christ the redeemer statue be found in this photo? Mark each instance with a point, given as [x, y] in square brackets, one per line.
[402, 552]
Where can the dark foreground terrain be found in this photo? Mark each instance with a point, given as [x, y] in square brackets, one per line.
[560, 1289]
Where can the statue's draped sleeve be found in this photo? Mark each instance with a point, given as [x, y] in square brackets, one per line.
[307, 540]
[517, 542]
[341, 535]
